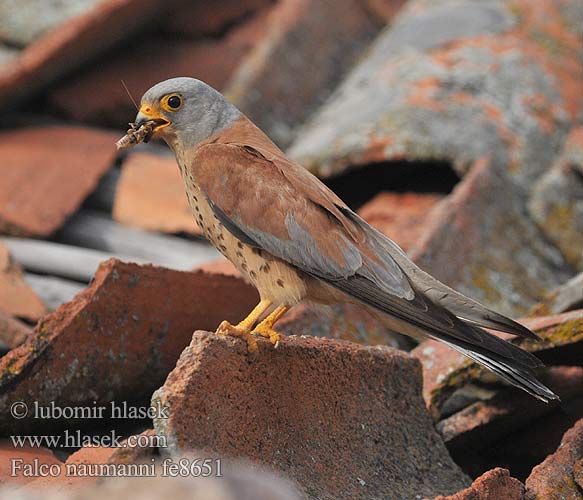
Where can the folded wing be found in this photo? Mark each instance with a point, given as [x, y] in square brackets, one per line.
[275, 205]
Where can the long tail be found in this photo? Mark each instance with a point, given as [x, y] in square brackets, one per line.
[514, 365]
[517, 374]
[446, 315]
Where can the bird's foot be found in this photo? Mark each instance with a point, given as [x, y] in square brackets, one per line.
[267, 332]
[225, 328]
[265, 328]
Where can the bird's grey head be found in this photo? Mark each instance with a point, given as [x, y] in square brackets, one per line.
[186, 111]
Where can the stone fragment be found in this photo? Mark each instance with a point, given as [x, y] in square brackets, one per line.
[496, 484]
[401, 216]
[556, 477]
[74, 42]
[150, 194]
[556, 201]
[16, 298]
[300, 61]
[47, 172]
[345, 421]
[115, 341]
[105, 100]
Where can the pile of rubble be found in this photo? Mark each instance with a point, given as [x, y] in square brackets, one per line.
[455, 127]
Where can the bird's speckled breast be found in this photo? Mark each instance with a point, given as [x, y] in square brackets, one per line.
[274, 279]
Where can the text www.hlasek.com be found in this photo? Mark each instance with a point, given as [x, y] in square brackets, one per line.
[76, 439]
[195, 466]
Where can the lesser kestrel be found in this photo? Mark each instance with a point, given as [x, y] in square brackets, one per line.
[294, 239]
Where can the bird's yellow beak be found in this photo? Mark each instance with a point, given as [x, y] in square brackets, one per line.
[152, 113]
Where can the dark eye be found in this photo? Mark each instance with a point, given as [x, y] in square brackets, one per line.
[174, 102]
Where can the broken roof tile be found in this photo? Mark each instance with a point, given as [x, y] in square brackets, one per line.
[345, 421]
[47, 172]
[300, 40]
[105, 100]
[150, 194]
[16, 296]
[72, 43]
[401, 216]
[118, 339]
[446, 370]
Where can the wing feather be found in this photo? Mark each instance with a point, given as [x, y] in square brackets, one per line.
[275, 205]
[462, 306]
[269, 212]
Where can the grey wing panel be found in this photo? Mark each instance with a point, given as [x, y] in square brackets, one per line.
[462, 306]
[302, 251]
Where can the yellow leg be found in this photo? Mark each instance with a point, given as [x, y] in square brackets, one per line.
[265, 328]
[243, 328]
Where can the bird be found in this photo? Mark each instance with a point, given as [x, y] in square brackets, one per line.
[294, 239]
